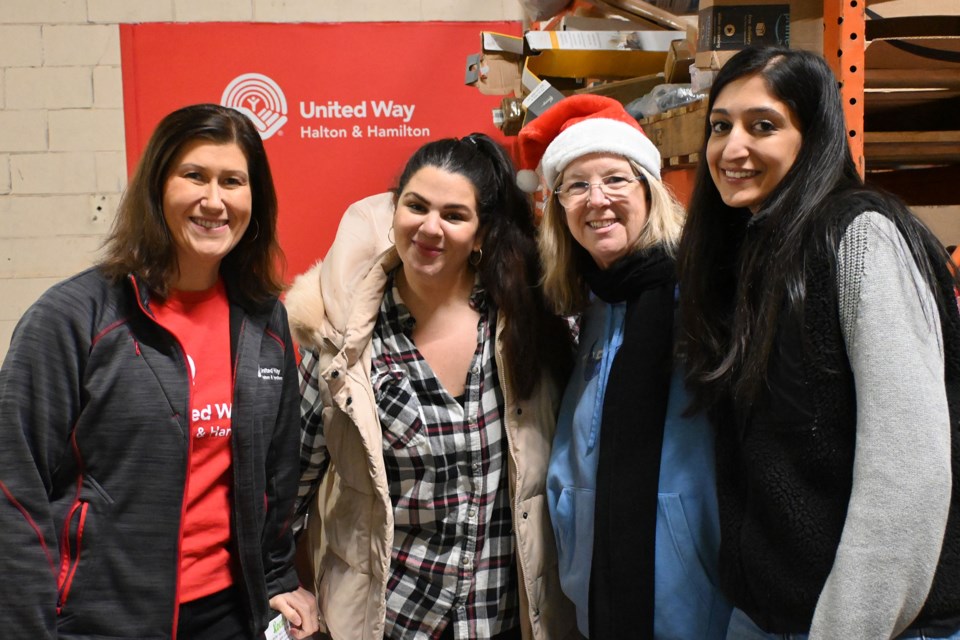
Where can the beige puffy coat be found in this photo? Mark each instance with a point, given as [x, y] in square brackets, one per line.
[350, 527]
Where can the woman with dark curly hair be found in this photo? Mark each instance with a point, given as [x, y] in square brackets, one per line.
[430, 387]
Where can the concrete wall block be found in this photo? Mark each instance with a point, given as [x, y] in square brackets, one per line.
[75, 45]
[103, 210]
[18, 295]
[49, 257]
[46, 216]
[4, 175]
[86, 130]
[52, 173]
[457, 10]
[379, 10]
[512, 10]
[297, 11]
[49, 87]
[23, 130]
[116, 11]
[213, 10]
[111, 171]
[107, 88]
[42, 11]
[20, 46]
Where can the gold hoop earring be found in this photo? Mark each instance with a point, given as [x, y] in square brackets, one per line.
[390, 238]
[476, 257]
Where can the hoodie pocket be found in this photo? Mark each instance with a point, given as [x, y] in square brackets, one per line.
[574, 528]
[683, 584]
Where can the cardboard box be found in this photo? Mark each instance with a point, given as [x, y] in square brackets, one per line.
[586, 23]
[676, 6]
[731, 26]
[679, 58]
[912, 76]
[907, 8]
[497, 69]
[539, 99]
[509, 117]
[494, 73]
[597, 54]
[643, 10]
[726, 26]
[625, 91]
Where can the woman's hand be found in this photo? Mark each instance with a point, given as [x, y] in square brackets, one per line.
[300, 609]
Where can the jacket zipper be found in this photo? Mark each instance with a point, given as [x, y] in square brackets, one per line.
[515, 484]
[186, 481]
[71, 553]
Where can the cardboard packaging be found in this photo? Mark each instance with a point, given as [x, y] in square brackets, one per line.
[497, 69]
[509, 117]
[597, 54]
[625, 91]
[541, 97]
[912, 8]
[586, 23]
[912, 80]
[679, 58]
[726, 26]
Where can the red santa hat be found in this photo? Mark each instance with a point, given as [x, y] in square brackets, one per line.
[576, 126]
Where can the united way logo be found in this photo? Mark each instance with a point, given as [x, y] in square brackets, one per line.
[260, 99]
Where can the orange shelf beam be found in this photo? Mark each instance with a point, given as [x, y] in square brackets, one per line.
[844, 47]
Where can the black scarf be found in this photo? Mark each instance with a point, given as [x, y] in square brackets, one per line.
[631, 439]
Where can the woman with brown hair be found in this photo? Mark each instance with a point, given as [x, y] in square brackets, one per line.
[148, 413]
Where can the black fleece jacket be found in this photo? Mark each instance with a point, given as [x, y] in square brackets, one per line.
[94, 425]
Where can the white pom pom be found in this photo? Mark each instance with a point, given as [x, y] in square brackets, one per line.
[528, 180]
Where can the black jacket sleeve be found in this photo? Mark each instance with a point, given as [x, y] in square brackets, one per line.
[40, 399]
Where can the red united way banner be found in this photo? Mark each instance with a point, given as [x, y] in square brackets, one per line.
[340, 106]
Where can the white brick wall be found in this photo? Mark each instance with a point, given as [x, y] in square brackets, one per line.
[4, 176]
[62, 150]
[213, 10]
[86, 130]
[23, 131]
[21, 46]
[87, 45]
[39, 12]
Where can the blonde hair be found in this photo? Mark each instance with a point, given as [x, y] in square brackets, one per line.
[563, 284]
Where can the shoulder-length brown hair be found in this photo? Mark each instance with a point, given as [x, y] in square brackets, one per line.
[140, 243]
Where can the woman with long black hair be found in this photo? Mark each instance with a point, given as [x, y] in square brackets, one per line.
[822, 335]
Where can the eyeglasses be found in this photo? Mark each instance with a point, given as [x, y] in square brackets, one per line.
[577, 192]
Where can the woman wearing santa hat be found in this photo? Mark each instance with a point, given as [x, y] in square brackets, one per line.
[630, 483]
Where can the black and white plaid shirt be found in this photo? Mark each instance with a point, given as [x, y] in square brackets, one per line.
[453, 558]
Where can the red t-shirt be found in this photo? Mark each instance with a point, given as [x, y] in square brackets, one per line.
[200, 320]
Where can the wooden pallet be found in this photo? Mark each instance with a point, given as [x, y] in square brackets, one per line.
[678, 133]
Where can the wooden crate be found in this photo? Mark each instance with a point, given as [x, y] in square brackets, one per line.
[678, 133]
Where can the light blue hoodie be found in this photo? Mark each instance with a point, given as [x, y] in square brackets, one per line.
[688, 605]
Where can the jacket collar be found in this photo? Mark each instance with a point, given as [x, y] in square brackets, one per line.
[319, 312]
